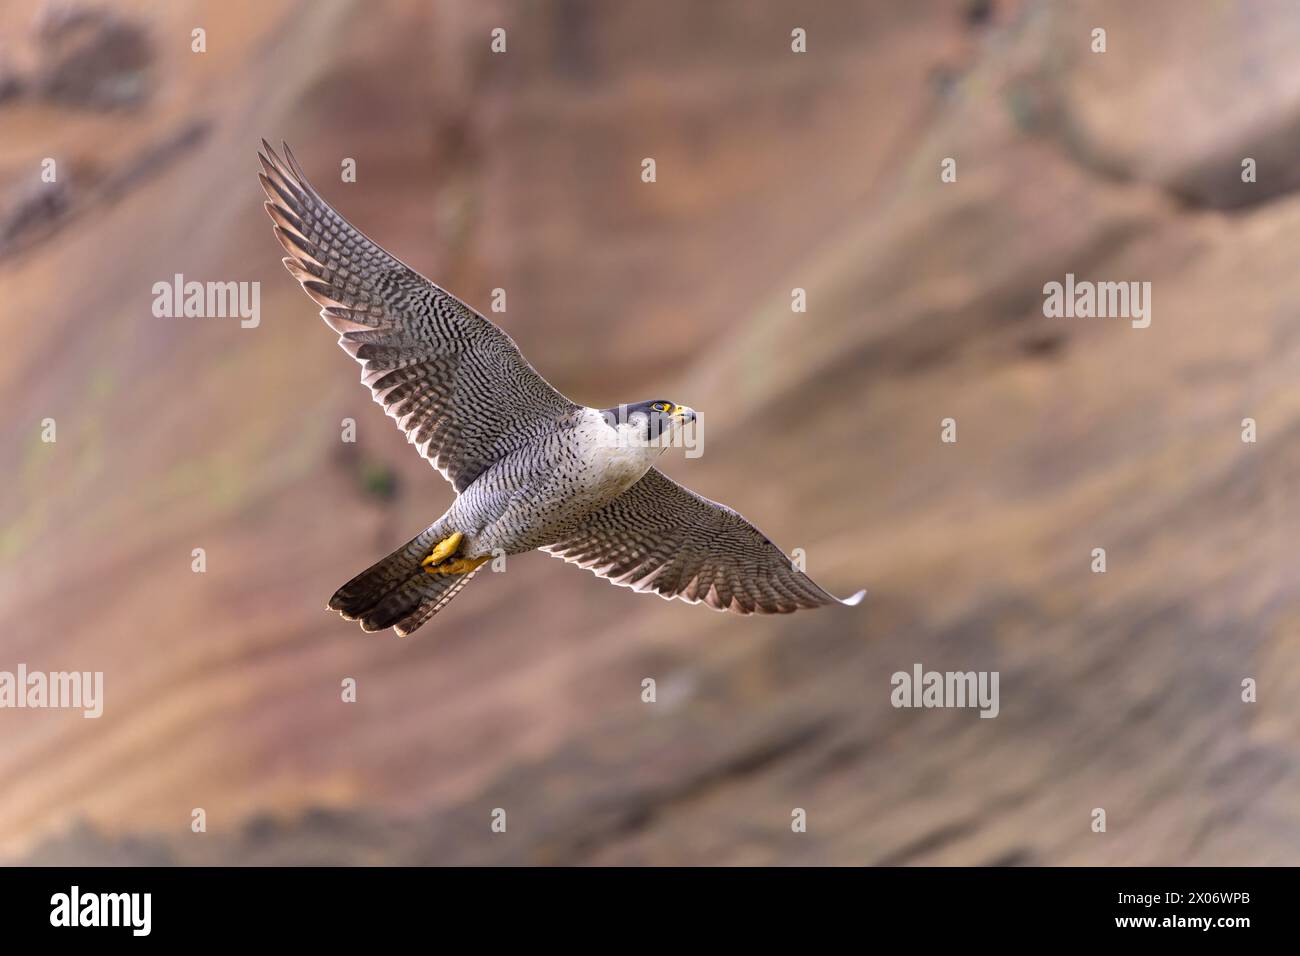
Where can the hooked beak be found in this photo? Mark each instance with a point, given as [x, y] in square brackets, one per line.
[685, 413]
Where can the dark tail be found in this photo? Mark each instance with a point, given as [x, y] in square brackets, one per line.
[396, 592]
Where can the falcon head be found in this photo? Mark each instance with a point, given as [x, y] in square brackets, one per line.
[652, 423]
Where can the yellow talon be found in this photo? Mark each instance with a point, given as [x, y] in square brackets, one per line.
[443, 550]
[459, 566]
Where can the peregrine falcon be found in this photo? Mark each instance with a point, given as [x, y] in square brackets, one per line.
[531, 469]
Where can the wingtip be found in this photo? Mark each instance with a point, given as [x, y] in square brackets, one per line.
[855, 599]
[269, 157]
[292, 160]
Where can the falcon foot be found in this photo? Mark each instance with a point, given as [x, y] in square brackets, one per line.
[459, 566]
[443, 550]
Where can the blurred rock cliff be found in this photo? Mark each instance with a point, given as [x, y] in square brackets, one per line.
[775, 170]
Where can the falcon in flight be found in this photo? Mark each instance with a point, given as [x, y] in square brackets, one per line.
[531, 469]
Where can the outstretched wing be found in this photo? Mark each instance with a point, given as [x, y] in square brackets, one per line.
[456, 384]
[658, 536]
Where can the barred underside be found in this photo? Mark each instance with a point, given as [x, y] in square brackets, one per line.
[660, 537]
[454, 382]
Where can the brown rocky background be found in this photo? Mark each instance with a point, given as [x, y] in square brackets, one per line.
[775, 170]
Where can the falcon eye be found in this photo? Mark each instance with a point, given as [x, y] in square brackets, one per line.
[660, 406]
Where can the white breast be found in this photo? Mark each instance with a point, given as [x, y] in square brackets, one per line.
[615, 458]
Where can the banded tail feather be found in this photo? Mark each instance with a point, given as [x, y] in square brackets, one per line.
[396, 591]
